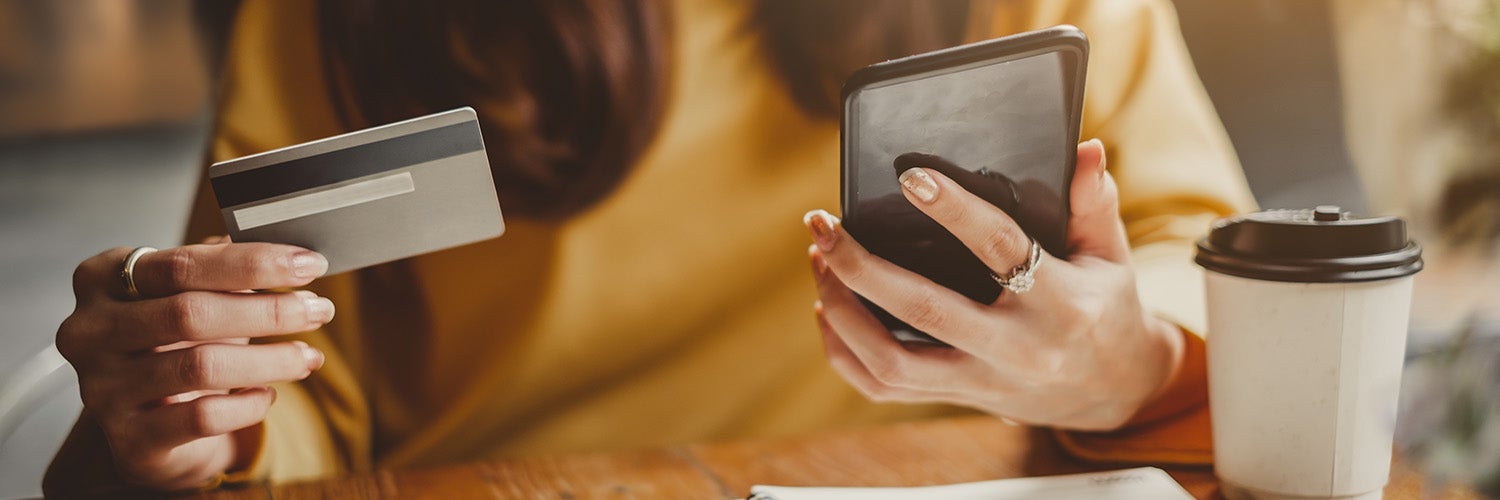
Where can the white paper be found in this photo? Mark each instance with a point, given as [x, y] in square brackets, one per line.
[1127, 484]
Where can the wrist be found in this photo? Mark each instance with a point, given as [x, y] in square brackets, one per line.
[1182, 383]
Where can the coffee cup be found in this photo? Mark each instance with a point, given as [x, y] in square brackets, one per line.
[1307, 323]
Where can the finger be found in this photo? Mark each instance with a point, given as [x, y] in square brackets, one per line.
[892, 362]
[216, 240]
[227, 267]
[1095, 227]
[852, 370]
[209, 316]
[206, 416]
[926, 306]
[218, 367]
[986, 230]
[99, 276]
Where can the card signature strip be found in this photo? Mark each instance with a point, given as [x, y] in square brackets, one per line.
[349, 163]
[323, 200]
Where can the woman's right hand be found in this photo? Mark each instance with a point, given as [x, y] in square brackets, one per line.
[172, 378]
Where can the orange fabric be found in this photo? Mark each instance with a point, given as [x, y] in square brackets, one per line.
[1173, 428]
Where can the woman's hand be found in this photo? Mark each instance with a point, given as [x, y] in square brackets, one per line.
[171, 378]
[1076, 351]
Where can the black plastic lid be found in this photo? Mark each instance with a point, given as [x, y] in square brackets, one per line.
[1323, 245]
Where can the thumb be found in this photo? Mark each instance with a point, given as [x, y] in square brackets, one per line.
[1095, 228]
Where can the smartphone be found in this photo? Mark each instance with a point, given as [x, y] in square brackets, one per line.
[1000, 117]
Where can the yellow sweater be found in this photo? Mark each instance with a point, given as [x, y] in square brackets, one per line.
[679, 308]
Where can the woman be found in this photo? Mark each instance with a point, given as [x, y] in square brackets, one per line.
[652, 159]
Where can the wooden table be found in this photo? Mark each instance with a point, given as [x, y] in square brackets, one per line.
[910, 454]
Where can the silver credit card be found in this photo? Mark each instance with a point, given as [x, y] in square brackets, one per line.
[367, 197]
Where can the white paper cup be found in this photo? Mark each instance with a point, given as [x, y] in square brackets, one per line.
[1305, 356]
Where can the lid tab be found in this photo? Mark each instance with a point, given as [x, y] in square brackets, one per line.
[1326, 213]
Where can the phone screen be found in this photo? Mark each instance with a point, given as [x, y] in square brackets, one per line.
[1004, 130]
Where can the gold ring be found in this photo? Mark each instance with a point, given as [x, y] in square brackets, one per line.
[127, 271]
[1023, 277]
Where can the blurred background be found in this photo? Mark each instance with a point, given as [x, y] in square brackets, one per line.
[1380, 106]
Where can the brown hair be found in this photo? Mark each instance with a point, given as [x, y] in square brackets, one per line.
[571, 91]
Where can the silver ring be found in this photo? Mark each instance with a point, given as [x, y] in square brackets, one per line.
[127, 271]
[1022, 277]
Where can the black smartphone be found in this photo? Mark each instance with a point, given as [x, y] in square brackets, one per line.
[1000, 117]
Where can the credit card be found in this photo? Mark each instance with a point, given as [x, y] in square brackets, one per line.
[367, 197]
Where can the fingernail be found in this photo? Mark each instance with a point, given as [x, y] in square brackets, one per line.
[313, 357]
[920, 184]
[319, 309]
[1100, 144]
[822, 225]
[306, 264]
[273, 393]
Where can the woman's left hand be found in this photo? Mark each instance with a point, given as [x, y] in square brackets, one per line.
[1076, 351]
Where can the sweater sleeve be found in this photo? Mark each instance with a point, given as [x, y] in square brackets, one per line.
[1176, 171]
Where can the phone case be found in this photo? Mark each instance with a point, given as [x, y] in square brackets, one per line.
[1010, 46]
[976, 283]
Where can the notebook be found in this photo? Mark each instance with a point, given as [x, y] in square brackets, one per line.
[1127, 484]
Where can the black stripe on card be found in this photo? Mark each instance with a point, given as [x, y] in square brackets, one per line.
[348, 163]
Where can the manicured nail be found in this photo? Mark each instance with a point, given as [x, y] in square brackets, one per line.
[1099, 144]
[306, 264]
[920, 184]
[319, 309]
[822, 225]
[313, 356]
